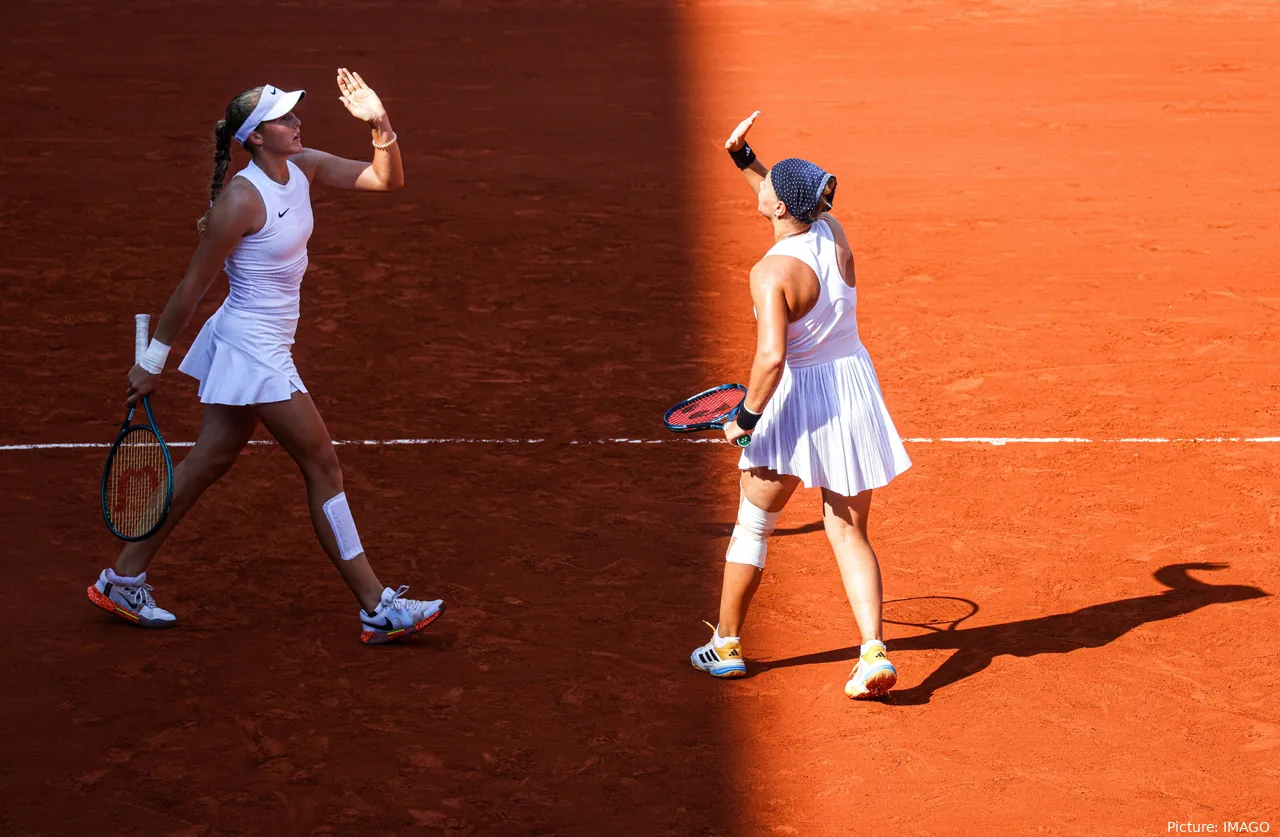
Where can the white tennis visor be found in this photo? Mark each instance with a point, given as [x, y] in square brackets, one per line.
[272, 104]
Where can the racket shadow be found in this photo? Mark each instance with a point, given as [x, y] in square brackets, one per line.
[1088, 627]
[725, 530]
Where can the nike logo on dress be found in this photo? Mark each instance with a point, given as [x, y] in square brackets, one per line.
[281, 214]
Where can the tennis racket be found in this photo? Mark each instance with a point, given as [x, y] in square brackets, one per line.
[937, 613]
[137, 484]
[710, 409]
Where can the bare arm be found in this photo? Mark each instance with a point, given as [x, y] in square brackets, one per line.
[756, 172]
[771, 340]
[385, 172]
[237, 213]
[771, 334]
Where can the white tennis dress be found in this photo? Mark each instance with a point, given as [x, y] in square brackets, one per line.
[827, 422]
[243, 355]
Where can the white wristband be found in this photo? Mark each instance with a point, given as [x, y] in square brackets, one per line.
[155, 356]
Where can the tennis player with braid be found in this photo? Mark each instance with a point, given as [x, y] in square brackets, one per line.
[813, 409]
[258, 228]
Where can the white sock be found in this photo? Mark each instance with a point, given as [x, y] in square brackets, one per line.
[721, 641]
[869, 644]
[126, 580]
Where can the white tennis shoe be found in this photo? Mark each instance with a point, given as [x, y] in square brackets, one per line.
[396, 617]
[721, 657]
[130, 598]
[873, 676]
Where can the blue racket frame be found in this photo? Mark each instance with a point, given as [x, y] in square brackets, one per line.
[125, 429]
[742, 442]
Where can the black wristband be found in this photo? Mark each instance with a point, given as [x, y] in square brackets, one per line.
[743, 157]
[746, 419]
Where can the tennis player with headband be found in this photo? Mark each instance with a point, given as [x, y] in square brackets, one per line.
[813, 409]
[257, 228]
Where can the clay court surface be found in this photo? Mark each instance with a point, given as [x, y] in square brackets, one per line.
[1065, 220]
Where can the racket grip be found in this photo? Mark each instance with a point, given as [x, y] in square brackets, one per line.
[141, 330]
[743, 441]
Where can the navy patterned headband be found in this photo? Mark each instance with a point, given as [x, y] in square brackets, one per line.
[799, 184]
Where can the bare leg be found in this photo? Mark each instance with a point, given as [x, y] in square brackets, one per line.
[297, 426]
[769, 491]
[845, 519]
[224, 431]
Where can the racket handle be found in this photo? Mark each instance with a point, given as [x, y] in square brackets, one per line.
[743, 441]
[141, 330]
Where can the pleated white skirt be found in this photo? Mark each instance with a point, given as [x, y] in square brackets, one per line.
[243, 358]
[828, 425]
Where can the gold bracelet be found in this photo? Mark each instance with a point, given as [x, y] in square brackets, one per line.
[387, 144]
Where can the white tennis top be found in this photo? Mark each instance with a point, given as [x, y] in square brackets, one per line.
[830, 331]
[265, 269]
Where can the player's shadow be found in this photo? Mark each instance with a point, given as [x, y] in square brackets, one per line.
[1088, 627]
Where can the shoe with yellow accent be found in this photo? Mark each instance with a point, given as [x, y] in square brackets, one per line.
[129, 597]
[874, 675]
[721, 657]
[396, 617]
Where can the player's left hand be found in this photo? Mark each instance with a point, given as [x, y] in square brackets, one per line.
[733, 432]
[358, 98]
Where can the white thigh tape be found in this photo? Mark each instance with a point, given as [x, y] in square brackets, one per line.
[749, 543]
[338, 513]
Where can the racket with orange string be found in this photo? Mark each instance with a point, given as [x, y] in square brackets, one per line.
[137, 483]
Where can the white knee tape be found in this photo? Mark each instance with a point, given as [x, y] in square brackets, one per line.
[749, 543]
[338, 513]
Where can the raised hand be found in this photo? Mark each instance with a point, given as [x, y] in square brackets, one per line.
[358, 98]
[739, 136]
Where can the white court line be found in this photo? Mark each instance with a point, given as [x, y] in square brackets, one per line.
[995, 441]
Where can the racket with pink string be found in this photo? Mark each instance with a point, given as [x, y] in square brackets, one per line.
[710, 409]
